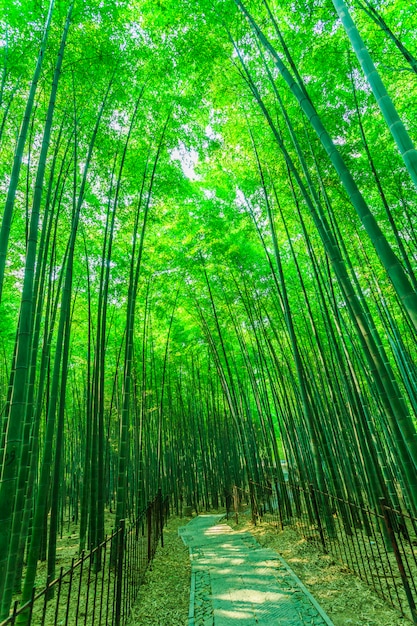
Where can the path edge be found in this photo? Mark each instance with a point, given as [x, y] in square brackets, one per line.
[191, 620]
[312, 599]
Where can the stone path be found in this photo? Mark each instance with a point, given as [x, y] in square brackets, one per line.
[236, 581]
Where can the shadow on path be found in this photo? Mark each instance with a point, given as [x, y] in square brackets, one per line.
[236, 581]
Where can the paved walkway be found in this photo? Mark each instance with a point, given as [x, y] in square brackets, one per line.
[236, 582]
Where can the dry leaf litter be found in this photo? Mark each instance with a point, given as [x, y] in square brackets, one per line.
[164, 598]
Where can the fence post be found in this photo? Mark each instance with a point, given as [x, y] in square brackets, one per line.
[317, 514]
[119, 581]
[236, 504]
[15, 605]
[149, 524]
[161, 516]
[253, 501]
[280, 499]
[386, 512]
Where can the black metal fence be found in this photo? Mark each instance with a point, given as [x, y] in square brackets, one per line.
[102, 585]
[379, 545]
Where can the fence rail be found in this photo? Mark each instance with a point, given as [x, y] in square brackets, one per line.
[379, 545]
[102, 585]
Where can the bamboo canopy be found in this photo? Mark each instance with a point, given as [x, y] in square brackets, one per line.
[207, 262]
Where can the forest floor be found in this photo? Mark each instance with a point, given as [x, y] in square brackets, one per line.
[164, 597]
[346, 599]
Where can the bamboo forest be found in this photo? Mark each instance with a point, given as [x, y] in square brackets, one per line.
[208, 277]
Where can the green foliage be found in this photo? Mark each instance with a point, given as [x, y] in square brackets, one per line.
[229, 352]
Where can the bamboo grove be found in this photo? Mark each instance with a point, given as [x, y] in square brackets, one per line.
[207, 259]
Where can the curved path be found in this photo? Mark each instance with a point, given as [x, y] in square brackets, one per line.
[234, 581]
